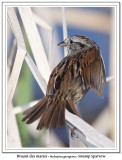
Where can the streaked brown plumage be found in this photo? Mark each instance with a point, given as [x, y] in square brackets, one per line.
[81, 70]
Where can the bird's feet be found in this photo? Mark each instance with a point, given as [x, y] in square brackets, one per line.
[73, 133]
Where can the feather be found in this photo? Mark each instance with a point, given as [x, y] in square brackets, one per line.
[71, 107]
[50, 86]
[62, 114]
[35, 112]
[92, 71]
[57, 76]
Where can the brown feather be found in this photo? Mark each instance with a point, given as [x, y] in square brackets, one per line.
[59, 113]
[92, 71]
[71, 107]
[50, 86]
[35, 112]
[55, 120]
[49, 115]
[57, 76]
[62, 115]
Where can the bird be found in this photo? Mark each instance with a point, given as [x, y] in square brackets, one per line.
[81, 70]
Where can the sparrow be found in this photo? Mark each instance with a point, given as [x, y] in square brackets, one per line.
[80, 71]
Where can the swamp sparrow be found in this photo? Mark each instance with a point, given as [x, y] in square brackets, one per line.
[81, 70]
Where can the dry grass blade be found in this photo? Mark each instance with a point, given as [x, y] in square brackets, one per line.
[21, 52]
[110, 78]
[40, 80]
[91, 134]
[14, 141]
[11, 58]
[46, 26]
[64, 28]
[35, 41]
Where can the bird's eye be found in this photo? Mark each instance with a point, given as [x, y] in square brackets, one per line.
[71, 41]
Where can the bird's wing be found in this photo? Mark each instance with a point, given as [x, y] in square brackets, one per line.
[57, 76]
[89, 65]
[92, 71]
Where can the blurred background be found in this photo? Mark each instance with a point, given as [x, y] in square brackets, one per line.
[96, 23]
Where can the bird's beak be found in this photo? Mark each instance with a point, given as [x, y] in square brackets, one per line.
[62, 44]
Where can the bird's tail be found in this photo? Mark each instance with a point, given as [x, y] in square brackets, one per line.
[50, 111]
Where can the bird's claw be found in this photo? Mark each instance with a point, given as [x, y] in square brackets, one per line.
[73, 133]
